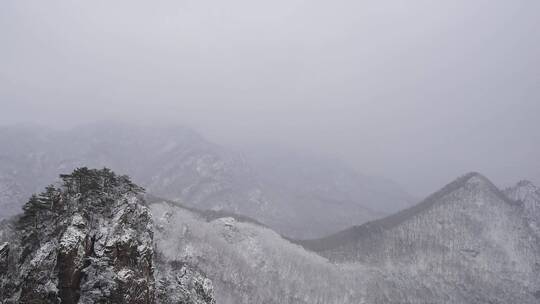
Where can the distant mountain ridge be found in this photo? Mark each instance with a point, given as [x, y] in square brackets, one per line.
[467, 243]
[470, 231]
[179, 164]
[356, 232]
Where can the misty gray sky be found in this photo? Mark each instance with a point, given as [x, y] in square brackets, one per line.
[416, 91]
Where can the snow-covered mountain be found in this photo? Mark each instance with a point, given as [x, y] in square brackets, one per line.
[94, 239]
[308, 198]
[527, 194]
[249, 263]
[467, 243]
[90, 240]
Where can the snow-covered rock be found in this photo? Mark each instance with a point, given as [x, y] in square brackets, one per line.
[89, 241]
[528, 194]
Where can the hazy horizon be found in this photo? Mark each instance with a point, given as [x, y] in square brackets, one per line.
[415, 91]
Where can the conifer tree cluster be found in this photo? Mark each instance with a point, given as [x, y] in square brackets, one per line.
[86, 191]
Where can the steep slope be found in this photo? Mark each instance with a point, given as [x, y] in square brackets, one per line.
[90, 241]
[249, 263]
[468, 241]
[526, 193]
[179, 164]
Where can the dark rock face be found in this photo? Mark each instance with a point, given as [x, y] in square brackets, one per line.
[89, 241]
[4, 253]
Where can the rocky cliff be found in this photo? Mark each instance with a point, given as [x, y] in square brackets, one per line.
[90, 240]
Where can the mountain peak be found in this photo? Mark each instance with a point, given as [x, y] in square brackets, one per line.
[475, 182]
[475, 177]
[94, 228]
[526, 185]
[471, 180]
[468, 187]
[90, 241]
[524, 191]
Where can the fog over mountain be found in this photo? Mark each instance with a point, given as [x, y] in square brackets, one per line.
[389, 87]
[299, 195]
[269, 152]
